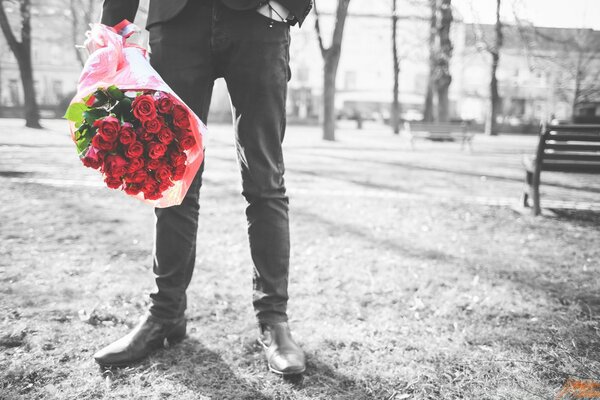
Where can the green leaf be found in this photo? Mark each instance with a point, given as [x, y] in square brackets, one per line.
[82, 145]
[122, 108]
[101, 98]
[75, 112]
[115, 93]
[94, 114]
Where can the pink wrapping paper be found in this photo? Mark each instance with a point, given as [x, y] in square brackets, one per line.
[114, 62]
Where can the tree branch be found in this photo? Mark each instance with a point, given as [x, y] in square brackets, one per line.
[12, 41]
[318, 30]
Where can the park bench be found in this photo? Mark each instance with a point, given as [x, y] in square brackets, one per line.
[439, 132]
[561, 148]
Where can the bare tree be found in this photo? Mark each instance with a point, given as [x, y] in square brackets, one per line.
[442, 76]
[331, 57]
[395, 114]
[428, 109]
[494, 50]
[440, 53]
[570, 56]
[22, 51]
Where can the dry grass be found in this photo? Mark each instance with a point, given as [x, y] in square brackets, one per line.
[401, 287]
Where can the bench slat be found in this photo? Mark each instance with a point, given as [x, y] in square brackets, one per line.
[561, 146]
[574, 128]
[573, 137]
[577, 157]
[570, 167]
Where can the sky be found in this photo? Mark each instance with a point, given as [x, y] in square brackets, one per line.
[552, 13]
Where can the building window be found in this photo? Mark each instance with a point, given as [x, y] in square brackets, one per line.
[57, 89]
[13, 89]
[350, 80]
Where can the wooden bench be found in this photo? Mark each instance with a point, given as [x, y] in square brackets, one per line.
[561, 148]
[442, 132]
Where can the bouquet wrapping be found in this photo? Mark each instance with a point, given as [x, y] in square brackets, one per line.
[128, 124]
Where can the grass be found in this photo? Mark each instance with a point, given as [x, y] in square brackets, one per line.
[404, 283]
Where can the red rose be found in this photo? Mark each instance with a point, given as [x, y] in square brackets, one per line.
[134, 150]
[165, 185]
[187, 141]
[143, 135]
[133, 188]
[180, 116]
[164, 103]
[93, 158]
[153, 195]
[143, 107]
[112, 182]
[150, 185]
[108, 127]
[153, 164]
[138, 176]
[178, 172]
[178, 158]
[156, 150]
[165, 135]
[152, 125]
[135, 164]
[127, 134]
[163, 173]
[99, 142]
[115, 166]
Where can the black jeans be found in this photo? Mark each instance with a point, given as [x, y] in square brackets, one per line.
[204, 42]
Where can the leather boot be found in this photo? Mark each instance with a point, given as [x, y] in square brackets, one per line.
[147, 336]
[284, 356]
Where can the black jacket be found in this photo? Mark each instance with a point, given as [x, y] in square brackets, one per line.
[114, 11]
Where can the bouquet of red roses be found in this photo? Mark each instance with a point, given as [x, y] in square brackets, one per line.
[129, 125]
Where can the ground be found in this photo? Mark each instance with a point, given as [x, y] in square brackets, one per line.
[415, 274]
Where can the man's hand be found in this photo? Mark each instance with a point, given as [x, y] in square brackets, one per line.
[274, 10]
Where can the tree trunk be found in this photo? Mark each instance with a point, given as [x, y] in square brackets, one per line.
[22, 52]
[428, 107]
[329, 75]
[32, 113]
[331, 58]
[492, 125]
[443, 77]
[395, 114]
[578, 78]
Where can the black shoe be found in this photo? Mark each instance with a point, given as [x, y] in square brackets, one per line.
[284, 356]
[147, 336]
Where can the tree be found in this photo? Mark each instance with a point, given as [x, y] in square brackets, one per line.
[570, 57]
[440, 53]
[331, 57]
[492, 47]
[22, 51]
[442, 75]
[428, 112]
[395, 114]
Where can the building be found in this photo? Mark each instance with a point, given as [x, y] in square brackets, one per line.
[536, 72]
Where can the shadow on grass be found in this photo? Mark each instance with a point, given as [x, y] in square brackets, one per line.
[322, 381]
[190, 367]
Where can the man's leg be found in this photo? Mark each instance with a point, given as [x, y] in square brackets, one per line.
[181, 54]
[256, 71]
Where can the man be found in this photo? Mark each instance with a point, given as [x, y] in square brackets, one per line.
[246, 42]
